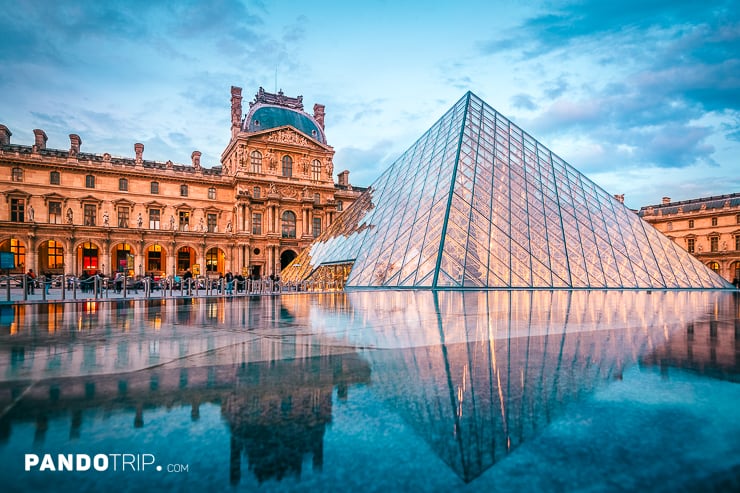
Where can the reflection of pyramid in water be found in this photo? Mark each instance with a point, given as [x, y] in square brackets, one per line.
[476, 203]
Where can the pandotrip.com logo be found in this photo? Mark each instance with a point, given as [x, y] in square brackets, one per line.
[121, 462]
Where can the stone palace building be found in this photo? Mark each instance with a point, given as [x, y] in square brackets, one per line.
[708, 228]
[69, 211]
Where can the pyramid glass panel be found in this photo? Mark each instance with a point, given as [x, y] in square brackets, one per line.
[477, 203]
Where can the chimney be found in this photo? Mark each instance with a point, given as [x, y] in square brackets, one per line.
[318, 114]
[41, 139]
[139, 150]
[236, 110]
[666, 200]
[343, 178]
[74, 144]
[195, 156]
[4, 135]
[620, 198]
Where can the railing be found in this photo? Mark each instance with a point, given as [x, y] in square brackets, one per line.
[99, 287]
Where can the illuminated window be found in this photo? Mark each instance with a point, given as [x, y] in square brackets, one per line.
[714, 266]
[124, 258]
[212, 260]
[183, 259]
[55, 254]
[89, 256]
[154, 258]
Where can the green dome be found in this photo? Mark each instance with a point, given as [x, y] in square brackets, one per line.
[264, 117]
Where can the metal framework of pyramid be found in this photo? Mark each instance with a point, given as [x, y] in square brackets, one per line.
[478, 203]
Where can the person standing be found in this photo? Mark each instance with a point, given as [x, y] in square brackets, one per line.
[30, 282]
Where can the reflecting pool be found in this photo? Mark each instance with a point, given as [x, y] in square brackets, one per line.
[374, 391]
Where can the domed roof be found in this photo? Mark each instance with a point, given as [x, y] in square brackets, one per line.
[266, 116]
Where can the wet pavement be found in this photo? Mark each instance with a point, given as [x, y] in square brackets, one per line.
[374, 391]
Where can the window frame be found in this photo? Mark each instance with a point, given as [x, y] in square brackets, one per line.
[287, 162]
[89, 181]
[123, 184]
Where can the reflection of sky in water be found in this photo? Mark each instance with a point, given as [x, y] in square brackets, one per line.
[381, 391]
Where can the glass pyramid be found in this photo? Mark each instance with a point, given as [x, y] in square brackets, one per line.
[478, 203]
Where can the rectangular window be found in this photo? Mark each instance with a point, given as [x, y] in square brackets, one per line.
[714, 244]
[55, 212]
[257, 192]
[90, 181]
[89, 215]
[54, 178]
[154, 217]
[316, 226]
[17, 174]
[17, 210]
[691, 223]
[183, 190]
[317, 198]
[123, 213]
[55, 259]
[737, 242]
[212, 223]
[154, 187]
[737, 219]
[256, 223]
[123, 185]
[184, 220]
[691, 245]
[212, 193]
[714, 221]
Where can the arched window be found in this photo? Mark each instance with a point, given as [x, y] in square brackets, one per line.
[287, 166]
[256, 161]
[288, 224]
[714, 266]
[316, 170]
[123, 184]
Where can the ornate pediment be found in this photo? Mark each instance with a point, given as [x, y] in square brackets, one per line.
[290, 137]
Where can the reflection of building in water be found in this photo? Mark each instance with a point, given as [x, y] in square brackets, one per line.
[277, 409]
[490, 371]
[709, 347]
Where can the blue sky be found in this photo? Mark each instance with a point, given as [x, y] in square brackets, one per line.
[642, 96]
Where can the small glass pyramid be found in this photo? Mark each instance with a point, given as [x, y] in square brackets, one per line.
[478, 203]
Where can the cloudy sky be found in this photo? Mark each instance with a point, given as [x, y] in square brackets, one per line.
[641, 95]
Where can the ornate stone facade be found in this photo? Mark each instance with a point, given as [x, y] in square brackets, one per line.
[708, 227]
[67, 211]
